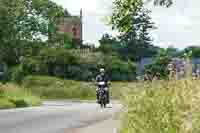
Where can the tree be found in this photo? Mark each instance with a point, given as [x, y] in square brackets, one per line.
[132, 20]
[124, 10]
[172, 52]
[159, 65]
[110, 44]
[107, 39]
[29, 18]
[26, 20]
[195, 51]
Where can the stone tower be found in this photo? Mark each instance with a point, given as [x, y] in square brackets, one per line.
[72, 25]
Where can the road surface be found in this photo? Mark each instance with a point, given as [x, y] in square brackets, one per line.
[56, 117]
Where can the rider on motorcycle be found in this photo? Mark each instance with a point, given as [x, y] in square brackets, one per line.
[102, 77]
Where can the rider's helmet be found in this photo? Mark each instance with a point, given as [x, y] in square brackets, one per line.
[102, 70]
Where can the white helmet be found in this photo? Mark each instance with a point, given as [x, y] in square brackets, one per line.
[102, 70]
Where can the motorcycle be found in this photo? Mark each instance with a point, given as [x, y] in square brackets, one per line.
[102, 94]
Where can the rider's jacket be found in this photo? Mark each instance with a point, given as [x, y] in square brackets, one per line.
[102, 78]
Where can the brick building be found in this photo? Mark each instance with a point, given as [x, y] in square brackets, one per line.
[73, 26]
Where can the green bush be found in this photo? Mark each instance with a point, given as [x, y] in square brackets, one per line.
[34, 66]
[17, 74]
[19, 102]
[26, 101]
[75, 65]
[120, 70]
[6, 104]
[18, 96]
[159, 66]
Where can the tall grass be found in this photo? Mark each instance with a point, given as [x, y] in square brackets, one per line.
[162, 107]
[12, 96]
[55, 88]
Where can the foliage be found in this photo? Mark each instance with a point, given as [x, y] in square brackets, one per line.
[14, 96]
[17, 74]
[123, 14]
[50, 61]
[24, 22]
[73, 65]
[120, 70]
[6, 104]
[55, 88]
[172, 52]
[160, 65]
[109, 44]
[134, 23]
[107, 39]
[162, 107]
[194, 51]
[63, 40]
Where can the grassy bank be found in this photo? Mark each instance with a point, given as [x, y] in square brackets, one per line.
[55, 88]
[13, 96]
[162, 107]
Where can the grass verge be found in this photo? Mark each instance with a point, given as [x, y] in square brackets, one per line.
[55, 88]
[13, 96]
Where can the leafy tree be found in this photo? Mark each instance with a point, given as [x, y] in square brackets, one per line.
[172, 52]
[132, 20]
[195, 51]
[159, 65]
[126, 13]
[109, 44]
[26, 20]
[107, 39]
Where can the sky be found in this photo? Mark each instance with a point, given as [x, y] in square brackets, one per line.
[177, 26]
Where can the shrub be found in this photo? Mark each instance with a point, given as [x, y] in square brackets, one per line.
[74, 65]
[120, 70]
[159, 66]
[6, 104]
[19, 102]
[17, 74]
[26, 101]
[34, 66]
[20, 97]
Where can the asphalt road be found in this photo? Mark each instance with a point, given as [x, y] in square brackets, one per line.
[54, 117]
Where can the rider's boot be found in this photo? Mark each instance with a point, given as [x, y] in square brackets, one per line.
[97, 96]
[108, 97]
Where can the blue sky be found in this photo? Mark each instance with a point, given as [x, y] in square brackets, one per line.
[178, 25]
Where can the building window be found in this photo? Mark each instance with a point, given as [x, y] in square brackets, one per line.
[74, 31]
